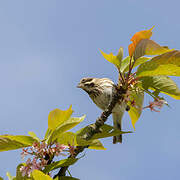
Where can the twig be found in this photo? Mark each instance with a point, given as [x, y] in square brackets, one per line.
[62, 171]
[69, 172]
[131, 65]
[122, 81]
[130, 68]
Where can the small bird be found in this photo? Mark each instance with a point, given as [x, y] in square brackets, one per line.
[100, 91]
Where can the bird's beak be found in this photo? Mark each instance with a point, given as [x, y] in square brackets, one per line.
[79, 85]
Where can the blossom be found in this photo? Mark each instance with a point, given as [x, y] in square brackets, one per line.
[41, 153]
[156, 103]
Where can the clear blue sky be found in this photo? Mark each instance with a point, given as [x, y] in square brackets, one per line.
[46, 47]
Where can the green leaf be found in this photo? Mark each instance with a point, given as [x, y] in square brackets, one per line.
[116, 60]
[58, 164]
[67, 138]
[108, 131]
[93, 143]
[1, 178]
[47, 134]
[69, 124]
[10, 142]
[135, 111]
[149, 47]
[120, 55]
[38, 175]
[33, 135]
[125, 63]
[73, 139]
[163, 84]
[96, 144]
[58, 117]
[164, 64]
[10, 177]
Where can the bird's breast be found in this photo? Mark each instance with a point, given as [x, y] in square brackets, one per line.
[102, 99]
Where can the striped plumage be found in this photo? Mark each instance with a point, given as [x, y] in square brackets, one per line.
[100, 91]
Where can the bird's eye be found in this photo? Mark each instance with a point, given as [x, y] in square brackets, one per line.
[83, 80]
[91, 84]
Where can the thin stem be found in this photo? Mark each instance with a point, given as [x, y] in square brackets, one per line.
[48, 159]
[69, 172]
[129, 72]
[150, 94]
[62, 171]
[121, 76]
[131, 65]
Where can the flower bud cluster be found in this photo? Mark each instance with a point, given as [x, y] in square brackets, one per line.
[158, 103]
[41, 154]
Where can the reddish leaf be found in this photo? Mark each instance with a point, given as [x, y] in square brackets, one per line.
[146, 34]
[149, 47]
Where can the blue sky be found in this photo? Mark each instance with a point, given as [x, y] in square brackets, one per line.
[46, 47]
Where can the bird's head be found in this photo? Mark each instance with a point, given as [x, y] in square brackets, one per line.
[93, 84]
[87, 84]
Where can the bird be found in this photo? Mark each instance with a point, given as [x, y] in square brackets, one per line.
[101, 92]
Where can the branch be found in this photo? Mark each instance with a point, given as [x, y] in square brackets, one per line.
[95, 128]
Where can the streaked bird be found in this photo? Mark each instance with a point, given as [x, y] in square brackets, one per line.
[100, 91]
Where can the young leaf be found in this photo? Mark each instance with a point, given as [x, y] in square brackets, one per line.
[120, 55]
[58, 117]
[149, 47]
[47, 134]
[125, 63]
[146, 34]
[68, 124]
[73, 139]
[33, 135]
[93, 143]
[108, 131]
[164, 64]
[116, 60]
[136, 109]
[96, 144]
[163, 84]
[10, 177]
[10, 142]
[58, 164]
[67, 138]
[39, 175]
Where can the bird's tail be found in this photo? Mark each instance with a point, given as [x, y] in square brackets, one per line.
[118, 138]
[117, 119]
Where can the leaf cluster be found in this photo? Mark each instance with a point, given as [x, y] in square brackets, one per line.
[152, 65]
[59, 124]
